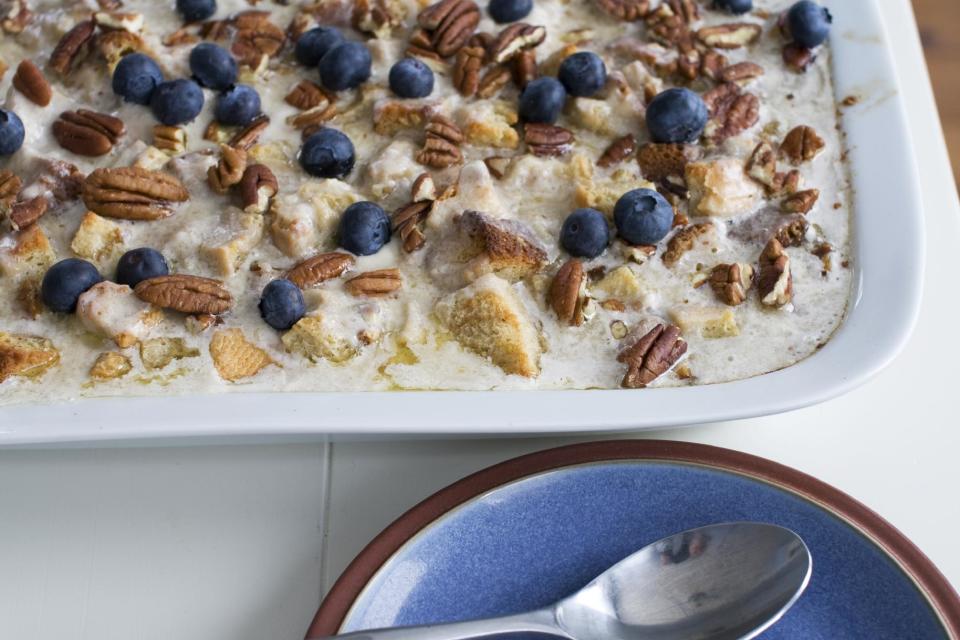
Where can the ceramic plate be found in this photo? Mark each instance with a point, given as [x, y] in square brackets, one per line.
[530, 531]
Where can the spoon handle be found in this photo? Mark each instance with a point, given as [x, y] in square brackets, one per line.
[542, 621]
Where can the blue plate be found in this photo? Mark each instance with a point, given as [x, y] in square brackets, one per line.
[533, 538]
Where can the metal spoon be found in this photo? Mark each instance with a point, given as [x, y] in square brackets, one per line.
[721, 582]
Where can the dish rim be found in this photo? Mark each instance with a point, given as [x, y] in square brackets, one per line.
[873, 331]
[341, 597]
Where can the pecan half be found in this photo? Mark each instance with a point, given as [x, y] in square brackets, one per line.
[730, 36]
[308, 95]
[652, 356]
[87, 133]
[800, 202]
[187, 294]
[23, 214]
[566, 294]
[741, 71]
[797, 58]
[547, 139]
[466, 69]
[319, 268]
[407, 221]
[450, 24]
[421, 45]
[69, 48]
[669, 23]
[132, 193]
[731, 112]
[377, 17]
[515, 38]
[442, 145]
[730, 282]
[229, 170]
[495, 79]
[171, 139]
[683, 241]
[256, 39]
[31, 82]
[375, 283]
[626, 10]
[524, 67]
[248, 136]
[660, 161]
[619, 149]
[801, 145]
[256, 187]
[774, 282]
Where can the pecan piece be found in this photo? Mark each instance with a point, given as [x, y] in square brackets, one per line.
[442, 145]
[407, 221]
[25, 213]
[187, 294]
[87, 133]
[683, 241]
[319, 268]
[450, 24]
[171, 139]
[377, 17]
[660, 161]
[547, 139]
[308, 95]
[566, 295]
[119, 21]
[30, 81]
[10, 185]
[132, 193]
[741, 71]
[730, 282]
[495, 79]
[114, 45]
[797, 58]
[731, 112]
[17, 18]
[255, 40]
[791, 233]
[515, 38]
[311, 120]
[375, 283]
[466, 69]
[712, 64]
[498, 165]
[626, 10]
[248, 136]
[421, 45]
[774, 282]
[229, 170]
[762, 165]
[730, 36]
[257, 186]
[524, 67]
[801, 145]
[800, 202]
[618, 150]
[69, 48]
[652, 356]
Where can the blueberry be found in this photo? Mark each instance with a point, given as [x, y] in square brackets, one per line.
[345, 66]
[177, 101]
[643, 216]
[735, 7]
[364, 228]
[65, 281]
[328, 153]
[194, 10]
[542, 100]
[509, 10]
[676, 115]
[410, 78]
[11, 132]
[315, 43]
[237, 105]
[281, 304]
[585, 233]
[213, 66]
[140, 264]
[809, 23]
[583, 73]
[136, 77]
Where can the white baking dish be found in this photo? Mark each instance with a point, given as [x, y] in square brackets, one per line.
[888, 276]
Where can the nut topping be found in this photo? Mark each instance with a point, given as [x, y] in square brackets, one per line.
[774, 282]
[566, 295]
[68, 50]
[423, 188]
[319, 268]
[626, 10]
[659, 162]
[731, 112]
[800, 202]
[256, 38]
[652, 356]
[524, 67]
[257, 186]
[10, 185]
[229, 170]
[132, 193]
[801, 144]
[375, 283]
[618, 150]
[308, 95]
[17, 18]
[683, 241]
[170, 139]
[466, 68]
[407, 221]
[187, 294]
[797, 58]
[547, 139]
[31, 82]
[442, 146]
[248, 136]
[515, 38]
[741, 71]
[730, 36]
[762, 165]
[730, 282]
[87, 133]
[23, 214]
[450, 23]
[495, 79]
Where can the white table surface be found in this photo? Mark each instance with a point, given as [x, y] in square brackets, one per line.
[239, 542]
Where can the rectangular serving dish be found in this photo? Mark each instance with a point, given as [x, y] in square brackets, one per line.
[888, 260]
